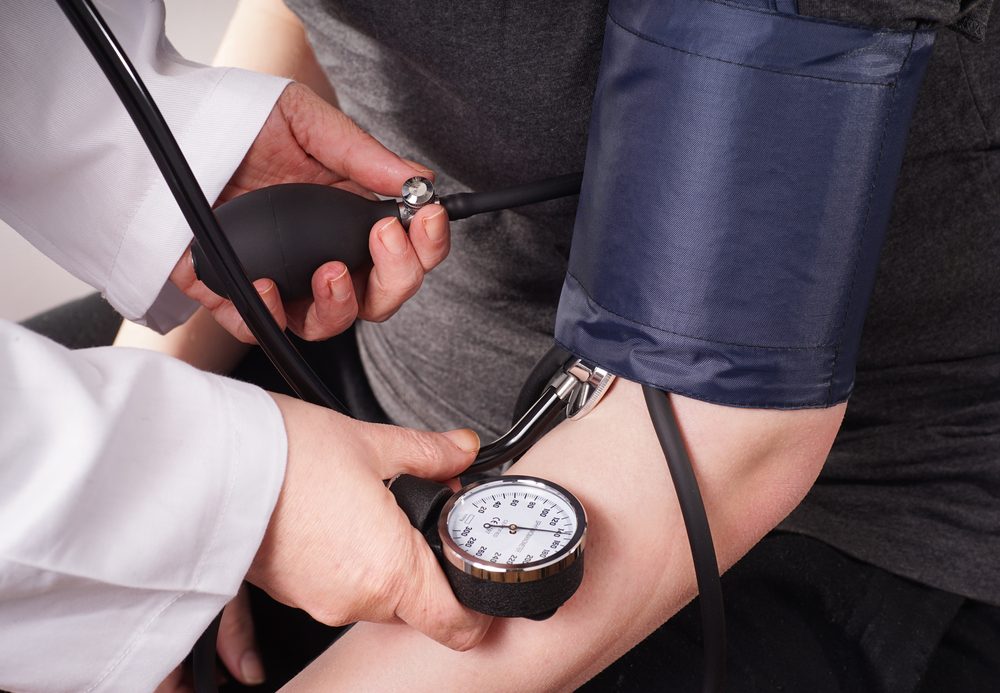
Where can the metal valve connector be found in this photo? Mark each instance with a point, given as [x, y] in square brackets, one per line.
[417, 192]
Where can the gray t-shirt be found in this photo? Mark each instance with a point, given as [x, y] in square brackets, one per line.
[488, 96]
[495, 93]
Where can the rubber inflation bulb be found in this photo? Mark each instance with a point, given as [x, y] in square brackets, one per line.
[285, 232]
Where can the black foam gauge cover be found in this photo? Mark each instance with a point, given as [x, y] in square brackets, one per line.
[422, 501]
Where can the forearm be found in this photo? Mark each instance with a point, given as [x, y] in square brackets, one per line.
[200, 342]
[269, 23]
[753, 467]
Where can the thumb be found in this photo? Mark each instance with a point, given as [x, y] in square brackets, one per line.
[237, 646]
[337, 142]
[422, 453]
[429, 605]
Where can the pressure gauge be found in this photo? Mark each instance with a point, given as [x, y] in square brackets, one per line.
[510, 546]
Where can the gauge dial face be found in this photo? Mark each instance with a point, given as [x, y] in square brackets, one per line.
[513, 521]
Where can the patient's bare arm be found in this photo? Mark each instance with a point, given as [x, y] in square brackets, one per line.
[754, 466]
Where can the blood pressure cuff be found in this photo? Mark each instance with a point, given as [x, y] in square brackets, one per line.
[740, 170]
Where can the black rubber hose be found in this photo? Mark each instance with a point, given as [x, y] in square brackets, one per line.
[706, 566]
[525, 433]
[168, 156]
[462, 205]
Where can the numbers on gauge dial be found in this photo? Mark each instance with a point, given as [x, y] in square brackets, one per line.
[506, 523]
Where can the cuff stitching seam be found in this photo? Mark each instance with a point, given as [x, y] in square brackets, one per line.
[650, 39]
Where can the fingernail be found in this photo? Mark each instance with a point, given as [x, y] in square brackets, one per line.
[251, 668]
[263, 286]
[340, 287]
[465, 438]
[435, 227]
[419, 169]
[392, 237]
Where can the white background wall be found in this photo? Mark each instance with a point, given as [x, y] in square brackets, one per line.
[30, 282]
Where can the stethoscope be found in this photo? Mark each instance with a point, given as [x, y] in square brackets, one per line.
[510, 546]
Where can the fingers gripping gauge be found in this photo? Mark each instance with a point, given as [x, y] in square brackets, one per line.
[510, 546]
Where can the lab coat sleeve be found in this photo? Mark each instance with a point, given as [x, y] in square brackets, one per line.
[77, 180]
[134, 492]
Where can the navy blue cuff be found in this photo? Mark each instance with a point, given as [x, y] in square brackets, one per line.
[740, 169]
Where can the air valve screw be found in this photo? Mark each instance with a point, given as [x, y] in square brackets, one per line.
[417, 192]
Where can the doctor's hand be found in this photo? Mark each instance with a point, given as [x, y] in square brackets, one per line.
[307, 140]
[339, 547]
[236, 646]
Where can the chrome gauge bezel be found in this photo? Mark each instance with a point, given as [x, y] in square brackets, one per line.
[514, 572]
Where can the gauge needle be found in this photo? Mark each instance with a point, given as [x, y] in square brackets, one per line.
[513, 528]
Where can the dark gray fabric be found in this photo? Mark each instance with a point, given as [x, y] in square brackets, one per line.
[488, 94]
[80, 324]
[966, 16]
[913, 481]
[493, 93]
[802, 617]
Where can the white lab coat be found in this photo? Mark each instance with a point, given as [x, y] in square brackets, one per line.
[134, 490]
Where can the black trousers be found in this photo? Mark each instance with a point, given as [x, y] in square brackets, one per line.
[801, 616]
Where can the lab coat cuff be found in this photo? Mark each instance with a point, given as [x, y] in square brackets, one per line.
[214, 141]
[258, 452]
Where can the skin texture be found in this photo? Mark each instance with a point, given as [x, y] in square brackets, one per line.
[201, 342]
[265, 36]
[753, 467]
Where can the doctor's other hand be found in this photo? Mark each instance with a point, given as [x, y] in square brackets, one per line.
[307, 140]
[339, 547]
[236, 646]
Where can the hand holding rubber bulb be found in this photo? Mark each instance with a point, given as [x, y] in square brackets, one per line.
[285, 231]
[307, 141]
